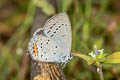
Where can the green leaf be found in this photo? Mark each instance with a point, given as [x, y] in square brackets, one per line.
[92, 61]
[86, 31]
[63, 5]
[45, 6]
[88, 7]
[85, 57]
[113, 58]
[101, 57]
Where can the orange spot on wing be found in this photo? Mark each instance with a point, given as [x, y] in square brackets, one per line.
[35, 51]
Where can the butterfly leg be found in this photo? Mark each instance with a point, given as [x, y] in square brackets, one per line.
[63, 64]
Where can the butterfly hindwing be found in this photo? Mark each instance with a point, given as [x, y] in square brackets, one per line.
[46, 48]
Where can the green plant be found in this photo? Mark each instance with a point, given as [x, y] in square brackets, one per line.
[97, 58]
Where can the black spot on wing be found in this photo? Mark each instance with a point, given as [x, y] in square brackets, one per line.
[51, 27]
[41, 55]
[63, 35]
[65, 24]
[48, 32]
[54, 24]
[56, 28]
[55, 46]
[48, 41]
[52, 35]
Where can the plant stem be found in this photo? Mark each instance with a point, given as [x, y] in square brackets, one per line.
[100, 72]
[99, 65]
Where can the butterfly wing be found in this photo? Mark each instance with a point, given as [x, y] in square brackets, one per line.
[58, 28]
[44, 49]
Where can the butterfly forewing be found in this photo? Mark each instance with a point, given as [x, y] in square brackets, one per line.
[58, 28]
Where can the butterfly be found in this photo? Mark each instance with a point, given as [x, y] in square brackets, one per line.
[52, 43]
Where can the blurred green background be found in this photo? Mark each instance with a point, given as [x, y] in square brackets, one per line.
[93, 22]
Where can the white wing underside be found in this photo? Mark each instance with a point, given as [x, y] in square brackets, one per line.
[61, 25]
[57, 29]
[48, 50]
